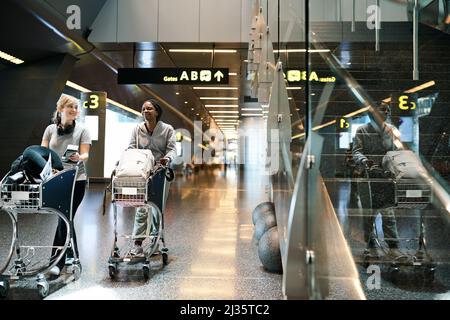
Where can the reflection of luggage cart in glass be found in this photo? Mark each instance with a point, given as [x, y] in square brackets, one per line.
[53, 196]
[386, 192]
[149, 194]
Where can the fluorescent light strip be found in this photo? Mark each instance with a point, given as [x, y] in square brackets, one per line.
[251, 115]
[203, 50]
[117, 104]
[215, 88]
[10, 58]
[221, 105]
[415, 89]
[301, 50]
[232, 73]
[220, 116]
[251, 109]
[229, 120]
[354, 113]
[223, 111]
[218, 98]
[294, 88]
[76, 86]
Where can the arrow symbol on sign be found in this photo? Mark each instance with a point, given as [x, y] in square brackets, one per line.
[219, 75]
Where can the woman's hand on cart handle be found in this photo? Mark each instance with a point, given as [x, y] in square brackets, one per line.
[367, 163]
[164, 161]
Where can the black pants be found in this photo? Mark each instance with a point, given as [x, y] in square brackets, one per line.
[61, 230]
[389, 223]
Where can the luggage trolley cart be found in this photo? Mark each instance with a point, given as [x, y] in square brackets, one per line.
[147, 193]
[387, 192]
[52, 196]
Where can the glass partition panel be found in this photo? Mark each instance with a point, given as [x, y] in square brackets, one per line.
[383, 151]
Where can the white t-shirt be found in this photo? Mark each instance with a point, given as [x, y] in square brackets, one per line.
[59, 143]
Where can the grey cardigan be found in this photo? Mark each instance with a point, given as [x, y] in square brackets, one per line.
[369, 144]
[161, 141]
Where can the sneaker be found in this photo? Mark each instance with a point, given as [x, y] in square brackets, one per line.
[136, 250]
[55, 271]
[374, 253]
[397, 255]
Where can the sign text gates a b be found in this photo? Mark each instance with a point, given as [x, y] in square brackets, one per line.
[173, 76]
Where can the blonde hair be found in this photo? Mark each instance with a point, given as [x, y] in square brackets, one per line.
[63, 101]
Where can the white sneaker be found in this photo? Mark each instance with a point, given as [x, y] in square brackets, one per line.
[54, 271]
[136, 250]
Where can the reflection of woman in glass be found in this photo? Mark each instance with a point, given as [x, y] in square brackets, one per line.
[369, 147]
[58, 136]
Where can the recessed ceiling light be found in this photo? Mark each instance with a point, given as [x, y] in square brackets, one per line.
[223, 111]
[301, 50]
[215, 88]
[220, 117]
[185, 102]
[177, 93]
[203, 50]
[192, 109]
[221, 105]
[10, 58]
[218, 98]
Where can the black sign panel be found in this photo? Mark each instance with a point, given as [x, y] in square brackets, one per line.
[173, 75]
[93, 102]
[343, 124]
[297, 75]
[403, 104]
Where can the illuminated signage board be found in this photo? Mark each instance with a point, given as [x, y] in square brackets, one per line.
[93, 100]
[175, 76]
[93, 105]
[294, 76]
[342, 124]
[403, 103]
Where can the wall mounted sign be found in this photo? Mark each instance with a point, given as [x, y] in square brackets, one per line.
[174, 76]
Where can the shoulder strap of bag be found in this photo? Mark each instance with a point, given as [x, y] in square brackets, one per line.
[137, 136]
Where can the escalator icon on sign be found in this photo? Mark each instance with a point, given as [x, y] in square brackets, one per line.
[205, 75]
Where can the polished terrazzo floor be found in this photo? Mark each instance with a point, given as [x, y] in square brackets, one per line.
[409, 285]
[208, 230]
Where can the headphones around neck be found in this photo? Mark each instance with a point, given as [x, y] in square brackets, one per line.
[67, 130]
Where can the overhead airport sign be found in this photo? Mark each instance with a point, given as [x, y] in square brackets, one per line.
[173, 76]
[295, 75]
